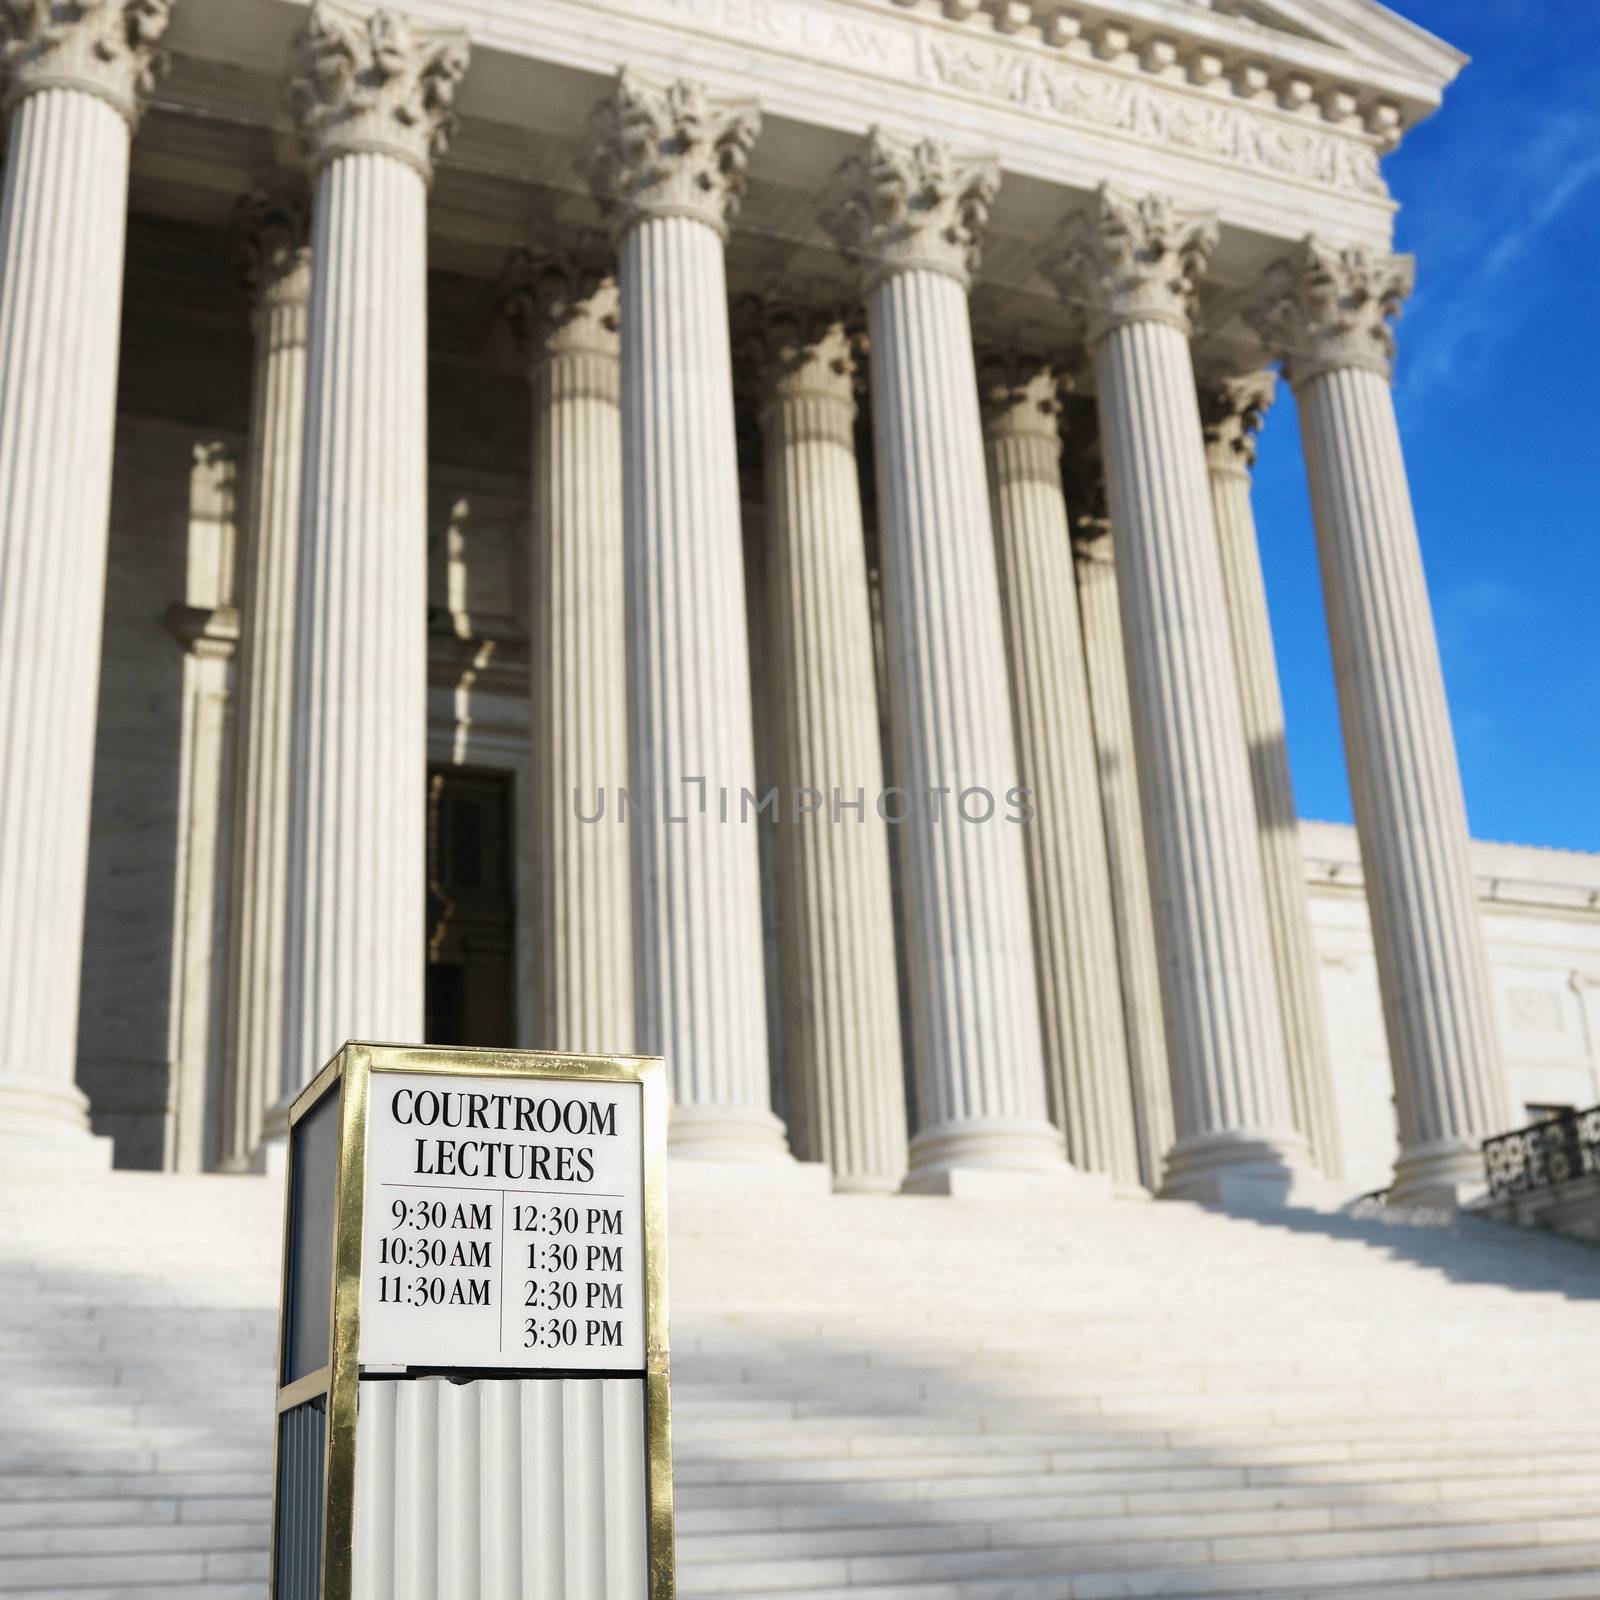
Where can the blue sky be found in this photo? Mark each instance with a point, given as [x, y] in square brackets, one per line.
[1498, 390]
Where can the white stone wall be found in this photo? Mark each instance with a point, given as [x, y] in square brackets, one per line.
[1541, 911]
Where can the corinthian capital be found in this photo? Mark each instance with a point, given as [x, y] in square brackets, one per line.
[1232, 408]
[669, 150]
[1130, 258]
[375, 83]
[561, 304]
[1083, 479]
[908, 205]
[1021, 395]
[106, 48]
[271, 246]
[1327, 306]
[796, 352]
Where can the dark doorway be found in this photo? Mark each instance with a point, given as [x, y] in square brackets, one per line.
[472, 909]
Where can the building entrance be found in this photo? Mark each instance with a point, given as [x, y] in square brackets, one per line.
[472, 911]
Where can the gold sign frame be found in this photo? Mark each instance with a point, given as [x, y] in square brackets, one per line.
[350, 1072]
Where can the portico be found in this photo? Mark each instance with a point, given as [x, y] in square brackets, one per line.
[499, 447]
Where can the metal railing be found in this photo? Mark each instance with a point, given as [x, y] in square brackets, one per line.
[1543, 1154]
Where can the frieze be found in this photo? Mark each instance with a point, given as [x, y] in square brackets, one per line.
[1036, 79]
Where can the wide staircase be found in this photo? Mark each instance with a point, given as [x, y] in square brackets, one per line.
[888, 1399]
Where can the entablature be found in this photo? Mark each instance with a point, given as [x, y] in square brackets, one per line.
[1271, 113]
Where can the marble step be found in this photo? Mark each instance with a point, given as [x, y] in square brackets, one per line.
[1112, 1541]
[1021, 1576]
[169, 1568]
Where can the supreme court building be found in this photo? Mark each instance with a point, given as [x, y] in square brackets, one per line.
[722, 528]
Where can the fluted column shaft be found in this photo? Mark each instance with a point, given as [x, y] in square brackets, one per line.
[578, 723]
[357, 803]
[846, 1090]
[1224, 1028]
[1406, 786]
[1134, 259]
[279, 276]
[699, 977]
[913, 214]
[700, 985]
[1327, 310]
[62, 225]
[1229, 453]
[1075, 952]
[354, 957]
[1106, 669]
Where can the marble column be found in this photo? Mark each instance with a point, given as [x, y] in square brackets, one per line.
[1131, 261]
[77, 76]
[272, 254]
[1075, 951]
[1327, 311]
[1106, 670]
[372, 97]
[911, 214]
[565, 313]
[1231, 410]
[667, 165]
[836, 935]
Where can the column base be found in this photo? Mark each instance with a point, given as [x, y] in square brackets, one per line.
[988, 1156]
[1447, 1173]
[856, 1184]
[47, 1125]
[687, 1172]
[726, 1133]
[1248, 1171]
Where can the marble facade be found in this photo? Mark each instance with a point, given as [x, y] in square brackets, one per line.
[476, 369]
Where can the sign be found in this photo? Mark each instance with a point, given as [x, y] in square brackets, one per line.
[474, 1240]
[504, 1225]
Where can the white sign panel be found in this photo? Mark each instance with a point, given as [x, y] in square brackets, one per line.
[504, 1224]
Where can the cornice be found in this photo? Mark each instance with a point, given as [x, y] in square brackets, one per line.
[1347, 78]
